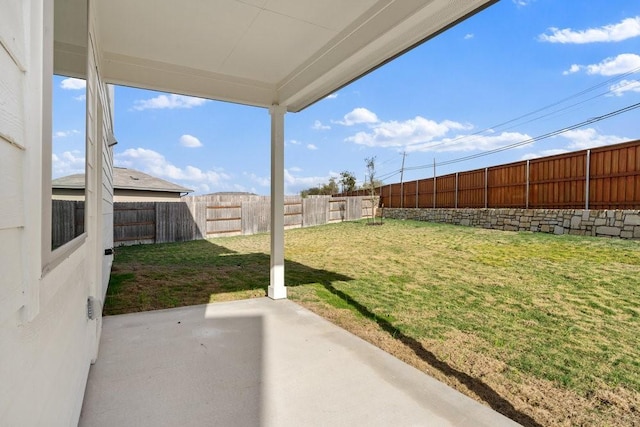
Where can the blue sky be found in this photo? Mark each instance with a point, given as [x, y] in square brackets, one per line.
[445, 100]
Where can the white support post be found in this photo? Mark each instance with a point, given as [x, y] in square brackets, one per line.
[276, 289]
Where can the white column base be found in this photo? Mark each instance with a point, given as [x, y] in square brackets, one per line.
[277, 289]
[277, 292]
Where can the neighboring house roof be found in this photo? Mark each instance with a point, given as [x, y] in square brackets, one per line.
[124, 179]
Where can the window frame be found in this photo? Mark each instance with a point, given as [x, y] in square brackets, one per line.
[53, 257]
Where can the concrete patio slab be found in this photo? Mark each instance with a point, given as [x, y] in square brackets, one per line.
[259, 362]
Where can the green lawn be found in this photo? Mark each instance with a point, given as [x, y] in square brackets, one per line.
[543, 328]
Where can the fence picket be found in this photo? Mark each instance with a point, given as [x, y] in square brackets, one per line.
[600, 178]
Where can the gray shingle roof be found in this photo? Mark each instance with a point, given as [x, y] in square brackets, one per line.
[124, 179]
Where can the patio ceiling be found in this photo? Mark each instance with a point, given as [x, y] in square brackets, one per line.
[263, 52]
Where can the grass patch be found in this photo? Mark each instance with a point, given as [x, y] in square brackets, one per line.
[545, 326]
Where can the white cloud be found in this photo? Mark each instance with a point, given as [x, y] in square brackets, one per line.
[156, 164]
[332, 96]
[623, 63]
[311, 147]
[292, 181]
[358, 116]
[581, 139]
[202, 188]
[82, 97]
[625, 29]
[573, 69]
[263, 181]
[170, 102]
[578, 139]
[67, 163]
[471, 142]
[65, 133]
[522, 3]
[190, 141]
[544, 153]
[294, 184]
[625, 86]
[294, 142]
[469, 36]
[317, 125]
[73, 84]
[405, 134]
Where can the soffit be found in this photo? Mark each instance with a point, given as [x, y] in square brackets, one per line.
[262, 52]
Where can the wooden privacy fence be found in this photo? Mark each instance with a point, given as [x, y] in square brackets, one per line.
[600, 178]
[67, 221]
[201, 217]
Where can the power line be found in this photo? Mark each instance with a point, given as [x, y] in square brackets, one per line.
[389, 175]
[553, 104]
[400, 171]
[534, 139]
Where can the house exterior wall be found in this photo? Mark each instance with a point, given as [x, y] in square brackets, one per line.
[121, 195]
[47, 341]
[146, 196]
[67, 194]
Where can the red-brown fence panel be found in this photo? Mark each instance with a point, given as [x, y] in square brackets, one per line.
[446, 191]
[471, 188]
[409, 194]
[395, 195]
[507, 185]
[614, 181]
[611, 176]
[558, 182]
[384, 195]
[425, 193]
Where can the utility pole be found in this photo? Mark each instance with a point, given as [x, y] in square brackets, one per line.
[404, 155]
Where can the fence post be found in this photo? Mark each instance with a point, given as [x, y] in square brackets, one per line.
[486, 188]
[417, 196]
[587, 174]
[527, 187]
[456, 190]
[434, 183]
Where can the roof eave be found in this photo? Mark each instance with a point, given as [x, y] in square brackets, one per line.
[312, 85]
[386, 31]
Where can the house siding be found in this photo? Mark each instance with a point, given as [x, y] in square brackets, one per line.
[46, 340]
[12, 154]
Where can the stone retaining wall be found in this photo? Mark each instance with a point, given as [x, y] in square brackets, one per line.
[624, 224]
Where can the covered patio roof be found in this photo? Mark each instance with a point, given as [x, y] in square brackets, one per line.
[263, 52]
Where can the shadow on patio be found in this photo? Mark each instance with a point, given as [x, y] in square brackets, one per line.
[259, 362]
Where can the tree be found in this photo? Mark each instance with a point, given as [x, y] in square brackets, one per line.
[331, 187]
[325, 189]
[348, 181]
[376, 184]
[370, 162]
